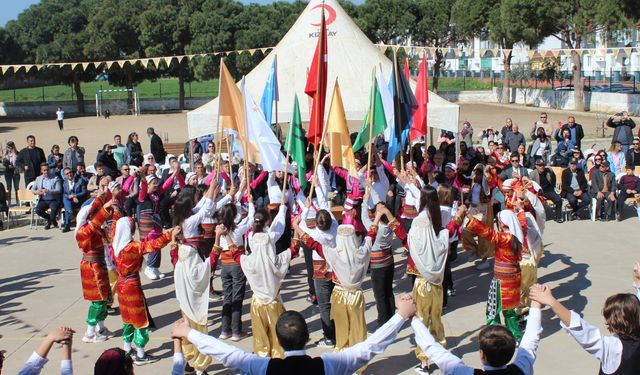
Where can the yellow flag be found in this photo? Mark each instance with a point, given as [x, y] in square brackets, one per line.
[230, 102]
[337, 139]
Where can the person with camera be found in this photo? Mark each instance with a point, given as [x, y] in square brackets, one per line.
[623, 126]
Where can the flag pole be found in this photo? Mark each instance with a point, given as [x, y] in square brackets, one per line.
[317, 150]
[370, 120]
[230, 166]
[286, 160]
[395, 70]
[220, 131]
[275, 75]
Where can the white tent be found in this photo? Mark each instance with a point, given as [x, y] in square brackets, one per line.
[352, 57]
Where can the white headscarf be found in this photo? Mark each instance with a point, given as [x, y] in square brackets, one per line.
[509, 218]
[428, 251]
[534, 236]
[83, 217]
[189, 175]
[348, 260]
[123, 235]
[191, 278]
[150, 178]
[113, 185]
[538, 207]
[264, 269]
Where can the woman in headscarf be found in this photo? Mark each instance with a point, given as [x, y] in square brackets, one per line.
[193, 271]
[93, 270]
[504, 292]
[128, 255]
[265, 270]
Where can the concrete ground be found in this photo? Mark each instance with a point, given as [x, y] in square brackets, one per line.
[40, 283]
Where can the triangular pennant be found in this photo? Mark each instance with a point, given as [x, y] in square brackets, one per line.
[145, 63]
[108, 64]
[167, 60]
[181, 59]
[252, 51]
[39, 67]
[407, 49]
[121, 63]
[555, 53]
[5, 68]
[627, 51]
[469, 52]
[383, 48]
[616, 52]
[506, 53]
[602, 52]
[578, 52]
[74, 65]
[394, 48]
[29, 67]
[86, 65]
[156, 61]
[227, 53]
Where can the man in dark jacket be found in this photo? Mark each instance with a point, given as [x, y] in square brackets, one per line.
[632, 157]
[574, 188]
[157, 148]
[514, 169]
[74, 193]
[29, 160]
[575, 129]
[603, 186]
[547, 181]
[623, 126]
[197, 149]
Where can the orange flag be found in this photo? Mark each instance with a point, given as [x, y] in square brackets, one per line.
[230, 110]
[337, 139]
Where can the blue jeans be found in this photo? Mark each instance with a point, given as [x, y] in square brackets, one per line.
[69, 206]
[625, 148]
[323, 293]
[233, 285]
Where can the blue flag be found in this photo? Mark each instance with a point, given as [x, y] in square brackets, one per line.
[270, 93]
[404, 105]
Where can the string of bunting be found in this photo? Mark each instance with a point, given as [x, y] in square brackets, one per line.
[144, 61]
[467, 52]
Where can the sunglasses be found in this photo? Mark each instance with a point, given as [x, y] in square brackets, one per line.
[515, 161]
[636, 143]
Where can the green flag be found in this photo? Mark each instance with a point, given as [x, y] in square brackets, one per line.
[295, 143]
[375, 116]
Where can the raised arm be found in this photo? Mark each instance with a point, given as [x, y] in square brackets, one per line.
[278, 224]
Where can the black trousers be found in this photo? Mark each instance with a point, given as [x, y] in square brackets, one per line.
[382, 281]
[165, 205]
[557, 201]
[323, 289]
[43, 205]
[573, 201]
[622, 197]
[447, 282]
[308, 263]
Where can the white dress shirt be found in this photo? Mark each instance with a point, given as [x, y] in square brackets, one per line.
[237, 234]
[35, 363]
[341, 363]
[449, 364]
[607, 349]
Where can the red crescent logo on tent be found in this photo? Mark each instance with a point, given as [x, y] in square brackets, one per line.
[330, 10]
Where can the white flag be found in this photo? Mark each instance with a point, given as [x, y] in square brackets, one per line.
[260, 136]
[387, 102]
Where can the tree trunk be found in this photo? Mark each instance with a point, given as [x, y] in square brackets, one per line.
[130, 98]
[436, 70]
[506, 78]
[78, 91]
[181, 86]
[578, 85]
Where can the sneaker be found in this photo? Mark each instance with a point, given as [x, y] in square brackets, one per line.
[239, 336]
[149, 273]
[47, 227]
[141, 361]
[188, 370]
[93, 339]
[224, 335]
[159, 274]
[66, 229]
[421, 370]
[312, 299]
[106, 333]
[216, 297]
[451, 292]
[325, 343]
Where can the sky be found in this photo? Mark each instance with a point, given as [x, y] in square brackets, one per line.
[11, 8]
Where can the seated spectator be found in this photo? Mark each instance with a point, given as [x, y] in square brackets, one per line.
[547, 181]
[35, 363]
[564, 150]
[574, 188]
[109, 163]
[603, 187]
[582, 162]
[514, 139]
[577, 133]
[197, 150]
[616, 158]
[94, 181]
[201, 173]
[514, 170]
[209, 157]
[541, 147]
[632, 157]
[81, 171]
[628, 186]
[618, 354]
[525, 160]
[49, 188]
[501, 155]
[74, 193]
[293, 335]
[497, 346]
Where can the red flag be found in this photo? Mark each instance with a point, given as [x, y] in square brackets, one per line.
[316, 86]
[406, 69]
[419, 126]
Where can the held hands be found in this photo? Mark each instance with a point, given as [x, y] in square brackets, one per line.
[220, 230]
[405, 305]
[175, 233]
[541, 294]
[180, 329]
[61, 335]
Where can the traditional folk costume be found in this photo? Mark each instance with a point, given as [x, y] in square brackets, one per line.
[265, 270]
[480, 199]
[128, 255]
[233, 280]
[93, 270]
[349, 264]
[109, 227]
[149, 221]
[192, 277]
[504, 291]
[274, 191]
[353, 202]
[322, 275]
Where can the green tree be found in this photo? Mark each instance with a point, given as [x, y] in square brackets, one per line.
[54, 31]
[433, 28]
[574, 19]
[386, 21]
